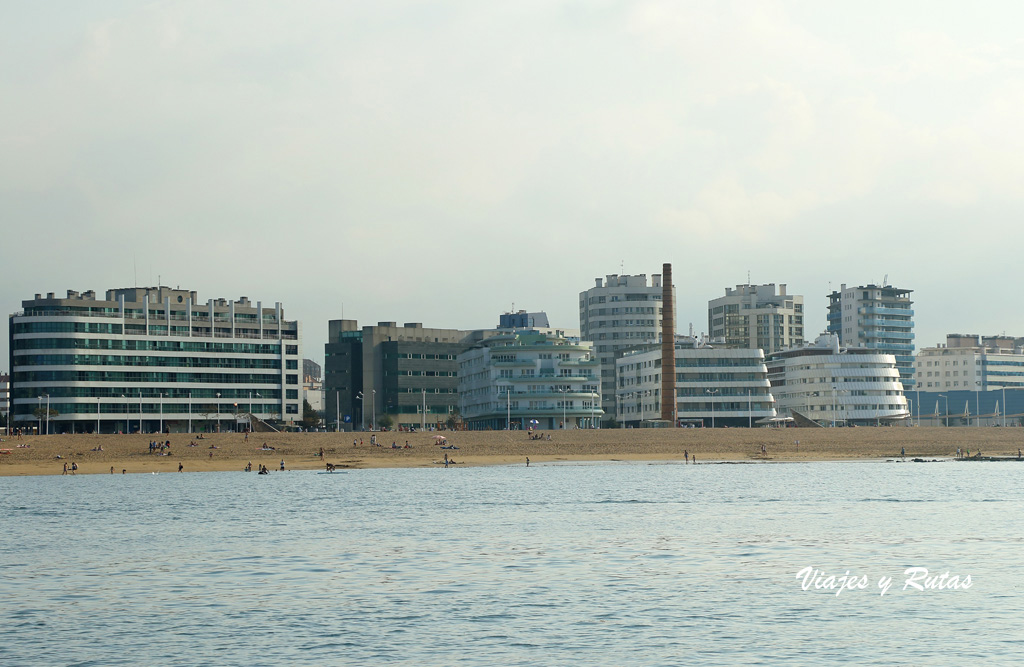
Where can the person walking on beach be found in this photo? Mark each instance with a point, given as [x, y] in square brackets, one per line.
[74, 467]
[180, 467]
[527, 461]
[686, 455]
[903, 453]
[282, 465]
[65, 468]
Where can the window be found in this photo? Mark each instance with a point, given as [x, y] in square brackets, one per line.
[291, 379]
[291, 349]
[291, 393]
[291, 409]
[291, 364]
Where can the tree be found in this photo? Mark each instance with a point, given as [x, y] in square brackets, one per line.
[454, 420]
[385, 420]
[310, 418]
[40, 413]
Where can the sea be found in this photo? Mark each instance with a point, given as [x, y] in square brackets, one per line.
[553, 564]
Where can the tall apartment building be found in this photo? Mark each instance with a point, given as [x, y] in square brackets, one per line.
[146, 359]
[522, 378]
[620, 312]
[713, 386]
[971, 363]
[878, 318]
[5, 386]
[408, 372]
[756, 316]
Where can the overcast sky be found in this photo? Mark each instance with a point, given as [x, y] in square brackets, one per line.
[438, 162]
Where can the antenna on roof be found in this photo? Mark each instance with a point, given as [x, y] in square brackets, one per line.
[885, 280]
[748, 276]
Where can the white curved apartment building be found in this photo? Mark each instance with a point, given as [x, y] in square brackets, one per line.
[826, 383]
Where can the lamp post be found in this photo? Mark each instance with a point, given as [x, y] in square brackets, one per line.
[918, 407]
[161, 412]
[140, 410]
[977, 403]
[1004, 407]
[750, 411]
[97, 415]
[127, 427]
[562, 391]
[190, 412]
[833, 406]
[39, 415]
[47, 414]
[947, 408]
[337, 410]
[423, 419]
[712, 392]
[218, 412]
[373, 409]
[508, 408]
[362, 412]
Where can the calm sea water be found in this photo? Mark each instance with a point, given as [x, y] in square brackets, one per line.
[605, 564]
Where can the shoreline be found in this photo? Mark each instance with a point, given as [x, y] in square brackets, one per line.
[231, 451]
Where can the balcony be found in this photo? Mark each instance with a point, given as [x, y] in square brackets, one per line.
[880, 310]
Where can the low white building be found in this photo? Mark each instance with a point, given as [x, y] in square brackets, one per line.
[829, 384]
[970, 363]
[528, 378]
[714, 386]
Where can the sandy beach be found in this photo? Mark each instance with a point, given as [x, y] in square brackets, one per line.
[38, 455]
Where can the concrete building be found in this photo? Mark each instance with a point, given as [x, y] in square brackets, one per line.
[5, 396]
[756, 316]
[312, 385]
[829, 384]
[971, 363]
[523, 320]
[620, 312]
[408, 372]
[150, 359]
[713, 386]
[529, 378]
[878, 318]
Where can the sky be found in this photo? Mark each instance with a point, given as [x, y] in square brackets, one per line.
[445, 162]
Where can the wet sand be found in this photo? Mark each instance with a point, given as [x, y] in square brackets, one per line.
[300, 451]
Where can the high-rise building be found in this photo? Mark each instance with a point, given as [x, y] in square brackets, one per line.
[151, 359]
[756, 316]
[831, 385]
[877, 317]
[407, 372]
[619, 312]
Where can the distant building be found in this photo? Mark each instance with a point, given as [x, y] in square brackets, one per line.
[714, 386]
[5, 394]
[392, 370]
[146, 358]
[826, 383]
[878, 318]
[311, 371]
[619, 312]
[523, 320]
[528, 378]
[755, 316]
[971, 363]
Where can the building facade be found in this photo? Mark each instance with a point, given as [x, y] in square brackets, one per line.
[407, 372]
[878, 318]
[619, 312]
[970, 363]
[151, 359]
[528, 378]
[714, 387]
[832, 385]
[757, 316]
[5, 396]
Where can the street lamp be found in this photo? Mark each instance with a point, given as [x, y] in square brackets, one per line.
[190, 412]
[47, 413]
[562, 391]
[127, 427]
[423, 419]
[712, 392]
[947, 408]
[833, 406]
[140, 410]
[218, 412]
[977, 403]
[97, 415]
[39, 415]
[508, 408]
[750, 411]
[362, 412]
[1004, 406]
[373, 409]
[161, 412]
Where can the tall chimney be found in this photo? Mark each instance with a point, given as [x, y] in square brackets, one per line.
[668, 347]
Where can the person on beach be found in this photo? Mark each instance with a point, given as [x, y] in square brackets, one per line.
[74, 467]
[446, 459]
[282, 465]
[321, 453]
[65, 468]
[111, 470]
[527, 461]
[686, 455]
[903, 453]
[180, 467]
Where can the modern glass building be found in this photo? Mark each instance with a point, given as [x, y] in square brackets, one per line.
[878, 318]
[151, 359]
